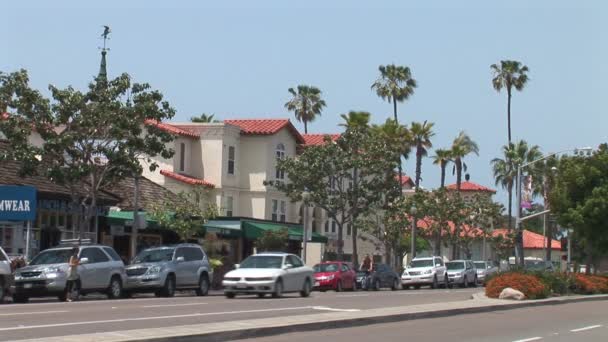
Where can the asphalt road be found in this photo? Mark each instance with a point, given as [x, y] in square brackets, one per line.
[50, 318]
[580, 322]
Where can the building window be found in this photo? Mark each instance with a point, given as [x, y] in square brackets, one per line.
[231, 154]
[327, 226]
[348, 229]
[333, 226]
[283, 212]
[280, 154]
[229, 206]
[182, 157]
[279, 211]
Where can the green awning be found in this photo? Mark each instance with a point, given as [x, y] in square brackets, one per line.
[125, 218]
[224, 228]
[254, 230]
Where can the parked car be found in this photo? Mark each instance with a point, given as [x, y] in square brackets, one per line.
[484, 270]
[163, 270]
[461, 272]
[269, 273]
[100, 270]
[425, 271]
[6, 274]
[361, 279]
[334, 275]
[382, 276]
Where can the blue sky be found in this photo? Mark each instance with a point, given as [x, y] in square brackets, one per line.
[236, 59]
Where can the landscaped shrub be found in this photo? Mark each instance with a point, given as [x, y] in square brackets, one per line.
[530, 285]
[590, 284]
[557, 282]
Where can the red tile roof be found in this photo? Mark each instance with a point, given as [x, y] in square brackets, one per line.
[470, 186]
[405, 180]
[266, 127]
[532, 240]
[186, 179]
[318, 139]
[171, 129]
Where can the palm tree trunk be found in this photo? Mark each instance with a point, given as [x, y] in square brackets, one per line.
[510, 206]
[509, 113]
[456, 249]
[418, 166]
[305, 127]
[443, 175]
[395, 110]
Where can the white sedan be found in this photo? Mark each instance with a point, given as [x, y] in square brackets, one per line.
[273, 273]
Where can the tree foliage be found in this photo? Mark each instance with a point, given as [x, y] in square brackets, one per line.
[275, 241]
[306, 104]
[509, 75]
[203, 118]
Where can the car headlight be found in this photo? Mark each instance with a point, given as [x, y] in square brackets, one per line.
[428, 272]
[53, 272]
[405, 274]
[331, 277]
[457, 274]
[154, 269]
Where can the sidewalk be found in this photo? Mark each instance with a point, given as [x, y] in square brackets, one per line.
[224, 331]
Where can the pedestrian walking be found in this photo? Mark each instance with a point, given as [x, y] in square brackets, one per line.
[367, 263]
[72, 281]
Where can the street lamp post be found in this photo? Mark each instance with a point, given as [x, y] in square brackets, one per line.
[413, 242]
[305, 197]
[519, 248]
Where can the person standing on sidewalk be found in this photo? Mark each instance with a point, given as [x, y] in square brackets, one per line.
[72, 274]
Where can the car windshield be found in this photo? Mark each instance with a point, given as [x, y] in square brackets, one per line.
[455, 265]
[54, 256]
[421, 263]
[154, 255]
[480, 265]
[262, 261]
[536, 265]
[326, 268]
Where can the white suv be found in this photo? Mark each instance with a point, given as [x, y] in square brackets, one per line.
[6, 277]
[425, 271]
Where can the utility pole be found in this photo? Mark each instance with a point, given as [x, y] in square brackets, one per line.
[135, 227]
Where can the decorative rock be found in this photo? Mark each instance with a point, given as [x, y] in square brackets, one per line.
[509, 293]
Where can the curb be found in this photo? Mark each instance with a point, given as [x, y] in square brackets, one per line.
[262, 327]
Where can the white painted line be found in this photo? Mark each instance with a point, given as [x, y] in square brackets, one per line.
[168, 305]
[350, 296]
[586, 328]
[324, 308]
[23, 327]
[31, 313]
[530, 339]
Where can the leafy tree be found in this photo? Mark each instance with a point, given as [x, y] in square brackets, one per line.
[89, 139]
[276, 241]
[186, 214]
[203, 118]
[579, 198]
[306, 104]
[346, 178]
[505, 169]
[482, 214]
[399, 137]
[421, 134]
[442, 158]
[509, 75]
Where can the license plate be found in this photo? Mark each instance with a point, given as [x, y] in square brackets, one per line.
[241, 286]
[316, 283]
[27, 285]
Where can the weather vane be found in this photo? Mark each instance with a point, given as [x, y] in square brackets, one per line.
[105, 34]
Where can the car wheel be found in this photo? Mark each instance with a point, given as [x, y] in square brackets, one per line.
[377, 285]
[17, 298]
[339, 286]
[115, 288]
[169, 287]
[261, 295]
[355, 287]
[2, 291]
[435, 284]
[230, 295]
[464, 282]
[306, 289]
[395, 286]
[278, 289]
[203, 285]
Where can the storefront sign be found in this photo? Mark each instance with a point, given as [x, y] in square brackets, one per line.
[67, 207]
[17, 203]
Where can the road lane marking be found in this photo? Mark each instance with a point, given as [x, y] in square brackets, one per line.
[23, 327]
[529, 339]
[168, 305]
[325, 308]
[350, 296]
[32, 313]
[586, 328]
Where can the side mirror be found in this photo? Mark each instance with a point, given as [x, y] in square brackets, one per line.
[287, 266]
[437, 265]
[84, 261]
[180, 259]
[236, 266]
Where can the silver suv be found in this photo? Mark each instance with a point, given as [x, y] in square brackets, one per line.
[425, 271]
[100, 270]
[162, 270]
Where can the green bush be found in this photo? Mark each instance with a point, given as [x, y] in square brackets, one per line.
[558, 282]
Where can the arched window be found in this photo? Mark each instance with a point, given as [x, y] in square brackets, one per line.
[280, 154]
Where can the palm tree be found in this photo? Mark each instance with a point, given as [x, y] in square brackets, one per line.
[306, 104]
[505, 169]
[203, 118]
[421, 138]
[355, 119]
[462, 146]
[394, 85]
[508, 75]
[442, 158]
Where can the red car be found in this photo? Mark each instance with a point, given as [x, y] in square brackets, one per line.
[334, 275]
